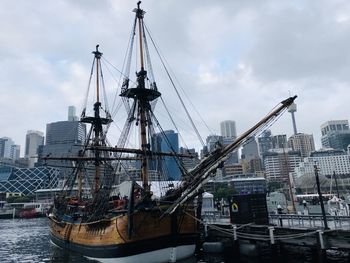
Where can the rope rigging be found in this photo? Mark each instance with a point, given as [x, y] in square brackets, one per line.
[176, 90]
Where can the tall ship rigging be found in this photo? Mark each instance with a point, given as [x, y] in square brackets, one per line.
[92, 218]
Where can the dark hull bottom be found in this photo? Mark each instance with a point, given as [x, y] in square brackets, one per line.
[127, 249]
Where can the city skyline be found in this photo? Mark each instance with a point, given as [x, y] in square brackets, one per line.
[256, 55]
[70, 118]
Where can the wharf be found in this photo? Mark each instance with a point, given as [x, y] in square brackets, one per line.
[302, 232]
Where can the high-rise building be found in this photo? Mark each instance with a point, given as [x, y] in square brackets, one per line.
[335, 134]
[280, 163]
[229, 135]
[63, 139]
[250, 150]
[228, 129]
[6, 144]
[279, 141]
[302, 142]
[265, 142]
[189, 163]
[214, 141]
[250, 160]
[167, 142]
[33, 140]
[233, 156]
[72, 114]
[65, 132]
[15, 152]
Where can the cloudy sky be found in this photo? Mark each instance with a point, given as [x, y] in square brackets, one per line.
[233, 59]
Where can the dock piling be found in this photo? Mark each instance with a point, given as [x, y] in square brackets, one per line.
[272, 238]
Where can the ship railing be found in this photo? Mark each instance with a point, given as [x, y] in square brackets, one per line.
[310, 221]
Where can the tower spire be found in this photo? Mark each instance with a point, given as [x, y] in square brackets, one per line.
[292, 109]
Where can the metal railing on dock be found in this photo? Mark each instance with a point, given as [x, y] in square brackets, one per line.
[215, 217]
[304, 232]
[310, 221]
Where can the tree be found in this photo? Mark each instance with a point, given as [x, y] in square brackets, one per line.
[224, 192]
[273, 186]
[20, 199]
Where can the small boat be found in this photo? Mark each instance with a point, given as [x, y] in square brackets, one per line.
[337, 207]
[99, 221]
[32, 210]
[6, 211]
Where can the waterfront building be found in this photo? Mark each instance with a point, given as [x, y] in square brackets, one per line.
[279, 163]
[330, 163]
[34, 139]
[335, 134]
[27, 180]
[5, 195]
[241, 185]
[302, 142]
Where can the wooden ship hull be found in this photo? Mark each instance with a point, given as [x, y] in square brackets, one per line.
[153, 239]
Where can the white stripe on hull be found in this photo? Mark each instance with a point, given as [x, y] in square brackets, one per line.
[171, 254]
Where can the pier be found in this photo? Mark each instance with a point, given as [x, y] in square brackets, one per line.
[310, 221]
[298, 234]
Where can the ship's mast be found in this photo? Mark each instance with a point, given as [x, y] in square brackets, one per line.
[98, 126]
[96, 122]
[142, 74]
[142, 96]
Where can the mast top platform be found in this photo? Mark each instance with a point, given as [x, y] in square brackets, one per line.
[97, 53]
[139, 12]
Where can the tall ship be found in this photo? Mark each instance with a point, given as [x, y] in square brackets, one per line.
[91, 217]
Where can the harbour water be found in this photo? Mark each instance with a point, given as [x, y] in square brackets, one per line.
[28, 241]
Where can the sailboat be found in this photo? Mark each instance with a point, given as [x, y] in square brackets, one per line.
[99, 223]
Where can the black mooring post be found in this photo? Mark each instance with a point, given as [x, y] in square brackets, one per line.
[320, 197]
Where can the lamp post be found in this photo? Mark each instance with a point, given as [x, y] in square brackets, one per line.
[320, 196]
[336, 183]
